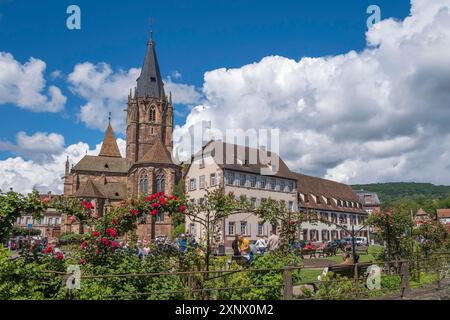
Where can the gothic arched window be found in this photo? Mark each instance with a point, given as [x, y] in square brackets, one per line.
[152, 114]
[160, 186]
[160, 181]
[143, 183]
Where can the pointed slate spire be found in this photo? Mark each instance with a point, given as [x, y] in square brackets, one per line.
[109, 146]
[67, 169]
[150, 82]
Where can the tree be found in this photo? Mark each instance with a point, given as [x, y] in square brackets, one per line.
[13, 205]
[210, 212]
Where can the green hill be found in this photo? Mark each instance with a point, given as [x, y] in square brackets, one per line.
[389, 192]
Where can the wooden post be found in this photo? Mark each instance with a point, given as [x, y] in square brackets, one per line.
[287, 283]
[189, 286]
[438, 280]
[406, 288]
[356, 279]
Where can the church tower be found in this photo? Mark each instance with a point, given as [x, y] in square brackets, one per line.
[149, 138]
[150, 111]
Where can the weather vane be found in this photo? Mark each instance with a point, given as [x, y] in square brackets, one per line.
[109, 117]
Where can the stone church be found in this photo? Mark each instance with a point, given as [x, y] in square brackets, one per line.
[108, 178]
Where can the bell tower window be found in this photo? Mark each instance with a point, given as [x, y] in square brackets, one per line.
[152, 114]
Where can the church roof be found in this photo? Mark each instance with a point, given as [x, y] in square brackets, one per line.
[102, 189]
[109, 146]
[157, 154]
[150, 82]
[89, 190]
[102, 164]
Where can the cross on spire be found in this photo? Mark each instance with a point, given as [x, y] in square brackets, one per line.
[151, 22]
[109, 117]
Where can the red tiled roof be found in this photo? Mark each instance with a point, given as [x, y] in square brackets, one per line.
[443, 213]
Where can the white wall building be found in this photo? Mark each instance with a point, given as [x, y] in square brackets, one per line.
[336, 202]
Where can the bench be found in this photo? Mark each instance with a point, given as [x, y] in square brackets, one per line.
[327, 252]
[362, 250]
[348, 270]
[305, 252]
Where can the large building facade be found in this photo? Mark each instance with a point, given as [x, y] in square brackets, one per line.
[108, 178]
[333, 201]
[227, 166]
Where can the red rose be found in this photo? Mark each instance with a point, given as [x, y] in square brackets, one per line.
[181, 208]
[114, 244]
[82, 261]
[112, 232]
[154, 204]
[59, 256]
[149, 198]
[114, 222]
[162, 200]
[154, 212]
[48, 250]
[134, 212]
[83, 245]
[95, 233]
[46, 200]
[105, 241]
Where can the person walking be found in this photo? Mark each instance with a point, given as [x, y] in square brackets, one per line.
[235, 247]
[244, 248]
[261, 245]
[274, 242]
[182, 245]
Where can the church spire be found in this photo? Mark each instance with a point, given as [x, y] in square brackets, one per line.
[109, 146]
[150, 82]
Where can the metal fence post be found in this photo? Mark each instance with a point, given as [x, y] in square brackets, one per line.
[287, 283]
[406, 288]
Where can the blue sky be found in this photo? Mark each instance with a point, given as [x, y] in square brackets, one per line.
[353, 104]
[192, 37]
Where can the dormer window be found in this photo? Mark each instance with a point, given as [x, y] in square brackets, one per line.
[245, 163]
[318, 199]
[106, 166]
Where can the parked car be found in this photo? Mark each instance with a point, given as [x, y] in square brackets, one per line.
[359, 241]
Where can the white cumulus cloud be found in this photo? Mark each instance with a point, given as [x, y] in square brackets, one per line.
[106, 90]
[381, 114]
[24, 85]
[25, 172]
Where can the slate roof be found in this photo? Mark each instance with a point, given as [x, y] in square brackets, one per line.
[89, 190]
[101, 164]
[149, 83]
[158, 153]
[102, 190]
[240, 154]
[313, 186]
